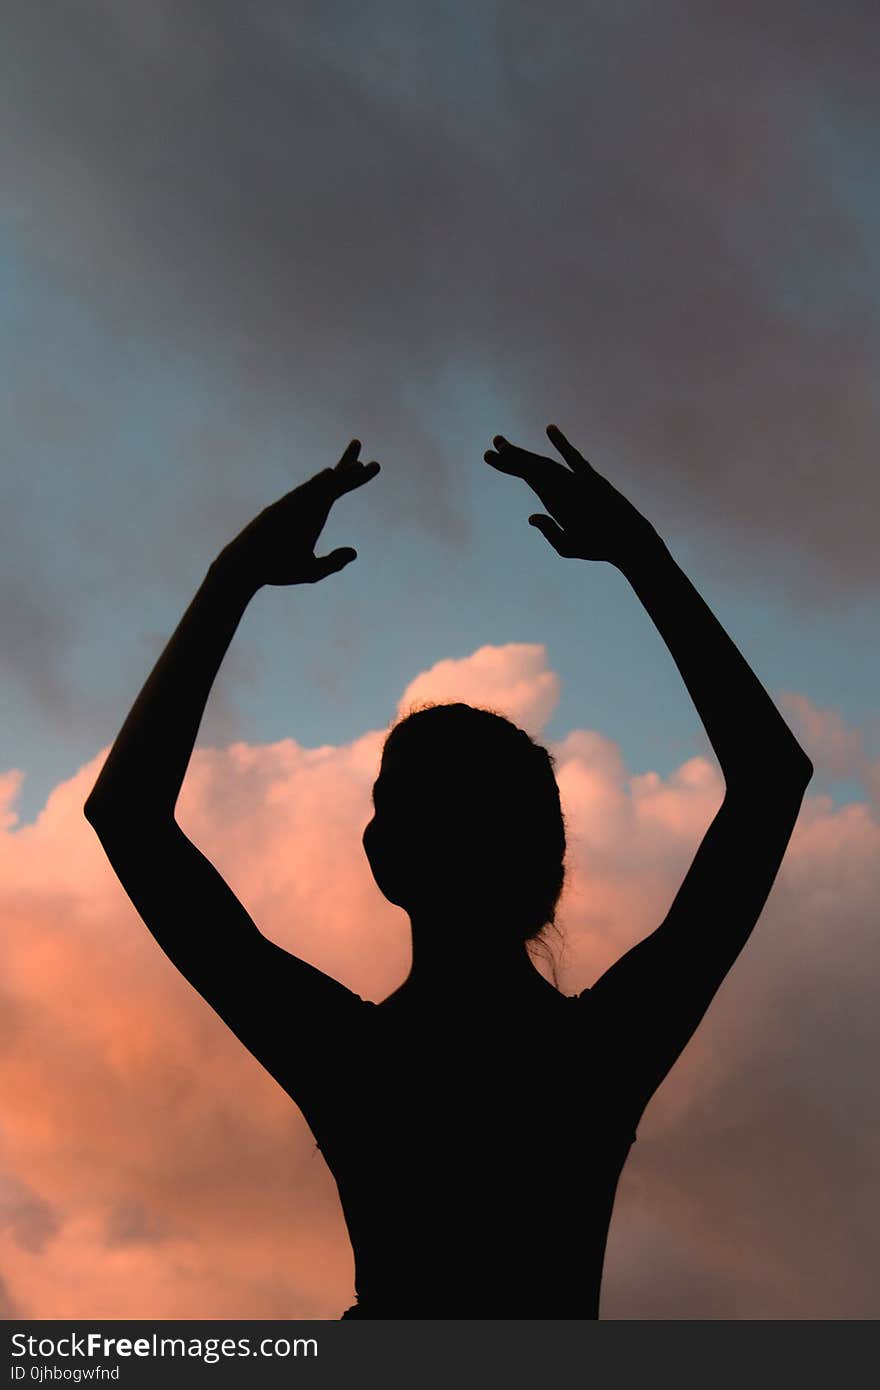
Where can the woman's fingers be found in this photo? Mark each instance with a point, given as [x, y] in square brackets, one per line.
[573, 458]
[350, 455]
[503, 462]
[350, 472]
[549, 480]
[509, 458]
[518, 463]
[355, 475]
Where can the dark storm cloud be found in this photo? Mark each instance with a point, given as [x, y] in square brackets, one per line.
[652, 223]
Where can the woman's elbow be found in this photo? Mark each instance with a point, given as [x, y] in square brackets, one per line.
[801, 768]
[787, 782]
[111, 814]
[787, 773]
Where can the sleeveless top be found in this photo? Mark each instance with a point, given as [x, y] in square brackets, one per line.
[476, 1155]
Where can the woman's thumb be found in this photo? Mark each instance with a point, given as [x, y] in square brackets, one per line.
[336, 560]
[549, 529]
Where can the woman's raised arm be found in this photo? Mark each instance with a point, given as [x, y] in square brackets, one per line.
[269, 998]
[651, 1000]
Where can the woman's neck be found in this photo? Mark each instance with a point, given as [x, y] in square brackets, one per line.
[458, 957]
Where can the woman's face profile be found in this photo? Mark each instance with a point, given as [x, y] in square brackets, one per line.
[384, 863]
[400, 848]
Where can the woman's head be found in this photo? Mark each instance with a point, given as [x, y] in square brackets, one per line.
[468, 821]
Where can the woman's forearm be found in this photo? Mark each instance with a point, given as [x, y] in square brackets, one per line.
[748, 734]
[145, 768]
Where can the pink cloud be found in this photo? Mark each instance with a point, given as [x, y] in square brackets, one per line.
[832, 743]
[835, 747]
[513, 679]
[134, 1182]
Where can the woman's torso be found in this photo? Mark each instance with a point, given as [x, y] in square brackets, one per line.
[476, 1151]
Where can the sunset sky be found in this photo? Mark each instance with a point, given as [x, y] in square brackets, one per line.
[234, 236]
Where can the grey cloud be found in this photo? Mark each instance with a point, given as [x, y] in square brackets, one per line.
[31, 1220]
[641, 222]
[35, 640]
[131, 1222]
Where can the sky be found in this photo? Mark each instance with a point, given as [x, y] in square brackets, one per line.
[232, 238]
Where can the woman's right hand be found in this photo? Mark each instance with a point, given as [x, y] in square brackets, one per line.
[278, 546]
[589, 519]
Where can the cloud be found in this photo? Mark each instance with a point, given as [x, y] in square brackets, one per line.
[154, 1170]
[832, 744]
[656, 228]
[236, 234]
[30, 1219]
[837, 749]
[513, 679]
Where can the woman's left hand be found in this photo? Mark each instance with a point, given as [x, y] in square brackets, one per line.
[278, 546]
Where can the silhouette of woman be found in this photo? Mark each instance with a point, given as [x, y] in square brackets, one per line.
[451, 1110]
